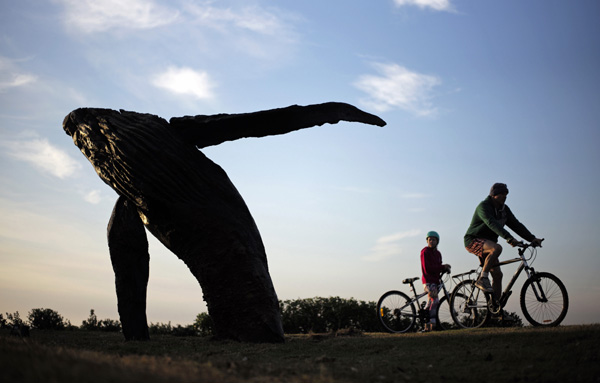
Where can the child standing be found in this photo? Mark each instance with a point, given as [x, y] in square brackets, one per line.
[432, 267]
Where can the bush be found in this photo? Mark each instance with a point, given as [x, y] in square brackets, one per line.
[12, 320]
[495, 322]
[160, 328]
[188, 330]
[167, 329]
[203, 325]
[46, 319]
[109, 325]
[93, 324]
[327, 314]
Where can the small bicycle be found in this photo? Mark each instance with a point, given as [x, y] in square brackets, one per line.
[544, 299]
[398, 313]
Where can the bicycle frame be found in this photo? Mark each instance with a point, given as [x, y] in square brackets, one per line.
[524, 265]
[416, 296]
[530, 271]
[402, 311]
[543, 298]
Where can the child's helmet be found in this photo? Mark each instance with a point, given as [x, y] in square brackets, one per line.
[433, 234]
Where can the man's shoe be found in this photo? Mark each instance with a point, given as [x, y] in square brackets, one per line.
[484, 284]
[506, 317]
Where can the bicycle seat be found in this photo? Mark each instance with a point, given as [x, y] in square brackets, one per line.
[410, 280]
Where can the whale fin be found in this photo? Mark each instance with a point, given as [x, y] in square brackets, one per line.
[212, 130]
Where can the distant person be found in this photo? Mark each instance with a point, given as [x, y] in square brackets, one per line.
[432, 268]
[488, 222]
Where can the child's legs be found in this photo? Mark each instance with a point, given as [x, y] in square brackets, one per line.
[433, 294]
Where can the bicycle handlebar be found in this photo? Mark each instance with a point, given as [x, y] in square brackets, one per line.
[524, 245]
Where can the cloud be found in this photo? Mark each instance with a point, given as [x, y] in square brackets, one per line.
[389, 245]
[44, 156]
[16, 80]
[93, 197]
[89, 16]
[185, 81]
[398, 87]
[252, 19]
[29, 224]
[437, 5]
[355, 189]
[12, 77]
[414, 195]
[254, 30]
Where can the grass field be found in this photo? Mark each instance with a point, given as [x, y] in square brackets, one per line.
[562, 354]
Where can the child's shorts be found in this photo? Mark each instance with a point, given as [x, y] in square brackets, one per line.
[432, 289]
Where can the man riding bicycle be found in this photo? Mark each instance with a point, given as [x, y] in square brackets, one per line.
[481, 239]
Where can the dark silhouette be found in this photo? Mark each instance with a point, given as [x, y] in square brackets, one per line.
[187, 201]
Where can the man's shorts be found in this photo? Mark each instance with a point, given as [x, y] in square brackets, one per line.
[476, 247]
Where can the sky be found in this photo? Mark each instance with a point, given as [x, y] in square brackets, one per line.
[473, 92]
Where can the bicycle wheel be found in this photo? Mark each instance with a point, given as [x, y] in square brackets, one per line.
[396, 312]
[544, 300]
[468, 305]
[444, 317]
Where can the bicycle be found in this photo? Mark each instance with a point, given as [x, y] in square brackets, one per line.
[398, 313]
[544, 299]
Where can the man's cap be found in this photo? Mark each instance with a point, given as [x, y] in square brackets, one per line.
[498, 188]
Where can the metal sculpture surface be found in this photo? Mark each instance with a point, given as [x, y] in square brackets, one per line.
[167, 185]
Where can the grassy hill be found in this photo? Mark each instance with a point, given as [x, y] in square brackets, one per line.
[562, 354]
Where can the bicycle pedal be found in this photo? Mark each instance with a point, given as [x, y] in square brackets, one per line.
[494, 307]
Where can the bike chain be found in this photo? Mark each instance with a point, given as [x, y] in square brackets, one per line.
[493, 306]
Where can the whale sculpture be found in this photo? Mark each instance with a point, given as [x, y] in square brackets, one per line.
[168, 186]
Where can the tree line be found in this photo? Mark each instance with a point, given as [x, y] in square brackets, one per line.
[299, 316]
[48, 319]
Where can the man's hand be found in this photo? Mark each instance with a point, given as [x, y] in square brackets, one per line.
[537, 242]
[513, 242]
